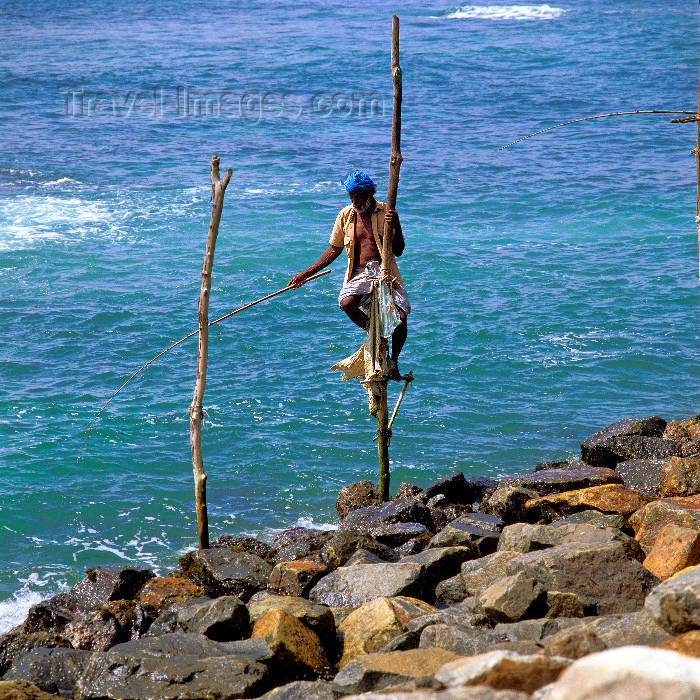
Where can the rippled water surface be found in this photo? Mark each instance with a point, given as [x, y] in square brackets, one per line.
[554, 284]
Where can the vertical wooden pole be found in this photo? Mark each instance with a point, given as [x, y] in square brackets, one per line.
[697, 168]
[218, 188]
[383, 431]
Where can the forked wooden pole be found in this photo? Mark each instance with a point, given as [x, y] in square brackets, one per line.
[218, 188]
[383, 430]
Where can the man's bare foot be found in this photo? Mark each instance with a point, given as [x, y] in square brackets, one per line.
[393, 368]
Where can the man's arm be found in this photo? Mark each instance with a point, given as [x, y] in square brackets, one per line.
[398, 243]
[327, 257]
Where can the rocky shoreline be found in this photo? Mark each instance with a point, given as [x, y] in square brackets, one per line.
[577, 580]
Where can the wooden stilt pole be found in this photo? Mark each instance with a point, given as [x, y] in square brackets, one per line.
[383, 430]
[218, 188]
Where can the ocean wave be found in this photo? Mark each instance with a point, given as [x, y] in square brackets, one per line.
[34, 589]
[499, 12]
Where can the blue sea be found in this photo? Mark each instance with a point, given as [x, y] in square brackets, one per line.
[554, 284]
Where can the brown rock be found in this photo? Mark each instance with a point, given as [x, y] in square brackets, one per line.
[93, 631]
[373, 625]
[687, 643]
[648, 521]
[406, 490]
[297, 543]
[513, 598]
[674, 549]
[504, 670]
[317, 618]
[356, 495]
[23, 690]
[162, 592]
[507, 503]
[295, 577]
[295, 646]
[688, 429]
[377, 671]
[611, 498]
[680, 476]
[479, 574]
[564, 605]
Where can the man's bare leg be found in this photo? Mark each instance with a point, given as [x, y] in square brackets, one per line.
[351, 306]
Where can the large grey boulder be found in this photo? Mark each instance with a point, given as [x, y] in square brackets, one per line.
[508, 502]
[535, 630]
[460, 640]
[225, 572]
[641, 474]
[594, 449]
[52, 670]
[355, 496]
[466, 615]
[514, 598]
[477, 531]
[114, 676]
[105, 583]
[604, 577]
[397, 534]
[524, 537]
[479, 574]
[455, 488]
[675, 604]
[343, 545]
[223, 619]
[352, 586]
[439, 563]
[305, 690]
[16, 644]
[296, 544]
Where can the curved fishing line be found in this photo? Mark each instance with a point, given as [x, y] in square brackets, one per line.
[160, 354]
[597, 116]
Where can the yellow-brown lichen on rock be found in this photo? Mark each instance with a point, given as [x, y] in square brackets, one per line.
[648, 521]
[680, 476]
[609, 498]
[162, 592]
[674, 549]
[23, 690]
[687, 644]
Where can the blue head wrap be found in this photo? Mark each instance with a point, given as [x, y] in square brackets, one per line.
[357, 181]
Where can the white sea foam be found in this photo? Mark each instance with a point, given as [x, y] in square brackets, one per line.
[26, 220]
[507, 12]
[34, 589]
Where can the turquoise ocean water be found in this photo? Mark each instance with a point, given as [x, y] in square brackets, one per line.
[554, 284]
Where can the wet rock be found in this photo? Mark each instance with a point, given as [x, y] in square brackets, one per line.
[455, 488]
[224, 619]
[305, 690]
[504, 670]
[451, 590]
[377, 671]
[680, 477]
[356, 495]
[687, 644]
[50, 615]
[160, 593]
[396, 534]
[507, 503]
[343, 545]
[596, 449]
[476, 531]
[534, 630]
[439, 563]
[105, 583]
[402, 510]
[298, 651]
[376, 623]
[405, 490]
[643, 475]
[297, 543]
[686, 431]
[318, 618]
[362, 556]
[23, 690]
[114, 676]
[460, 640]
[623, 673]
[547, 482]
[524, 537]
[676, 548]
[467, 614]
[675, 604]
[482, 486]
[479, 574]
[605, 577]
[355, 585]
[514, 598]
[243, 543]
[52, 670]
[648, 521]
[611, 498]
[568, 464]
[93, 631]
[224, 572]
[295, 578]
[414, 546]
[16, 644]
[605, 632]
